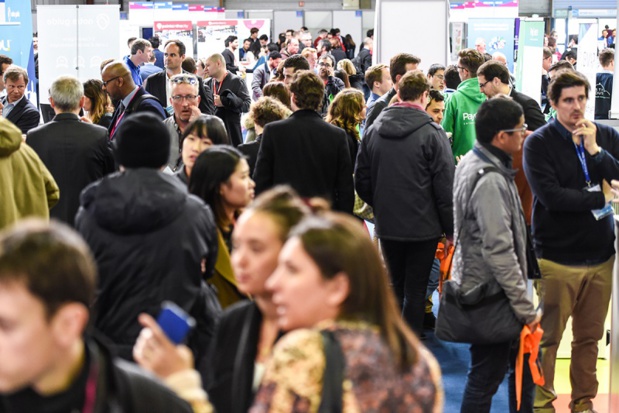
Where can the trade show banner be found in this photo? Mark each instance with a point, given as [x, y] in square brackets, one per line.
[587, 61]
[462, 11]
[530, 53]
[74, 40]
[497, 34]
[16, 38]
[178, 30]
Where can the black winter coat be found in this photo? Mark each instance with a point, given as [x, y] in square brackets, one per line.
[148, 237]
[405, 171]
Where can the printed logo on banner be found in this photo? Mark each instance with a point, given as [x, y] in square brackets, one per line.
[5, 45]
[103, 21]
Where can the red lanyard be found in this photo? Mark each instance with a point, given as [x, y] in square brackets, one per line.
[90, 393]
[215, 91]
[120, 117]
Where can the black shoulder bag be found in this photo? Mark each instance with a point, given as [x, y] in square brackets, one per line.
[477, 316]
[333, 376]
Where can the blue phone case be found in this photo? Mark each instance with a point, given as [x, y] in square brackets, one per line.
[175, 322]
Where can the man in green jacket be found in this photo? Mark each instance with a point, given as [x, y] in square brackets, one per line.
[462, 107]
[26, 186]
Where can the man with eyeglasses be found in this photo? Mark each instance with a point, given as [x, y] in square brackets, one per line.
[491, 247]
[15, 105]
[461, 109]
[493, 78]
[436, 77]
[118, 83]
[185, 101]
[333, 85]
[160, 84]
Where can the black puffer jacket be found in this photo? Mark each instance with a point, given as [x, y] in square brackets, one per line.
[405, 171]
[148, 236]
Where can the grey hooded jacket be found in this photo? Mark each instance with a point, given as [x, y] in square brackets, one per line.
[490, 232]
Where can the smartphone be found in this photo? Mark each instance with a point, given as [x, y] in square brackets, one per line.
[175, 322]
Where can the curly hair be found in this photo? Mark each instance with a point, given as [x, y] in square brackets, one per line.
[266, 110]
[345, 111]
[308, 89]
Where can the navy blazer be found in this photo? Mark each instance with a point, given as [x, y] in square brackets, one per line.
[156, 86]
[76, 153]
[24, 115]
[147, 105]
[308, 154]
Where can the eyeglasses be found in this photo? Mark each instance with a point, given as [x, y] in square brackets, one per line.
[440, 77]
[522, 130]
[108, 81]
[461, 68]
[481, 85]
[324, 64]
[180, 98]
[184, 79]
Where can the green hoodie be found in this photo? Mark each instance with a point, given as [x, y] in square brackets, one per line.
[26, 186]
[460, 112]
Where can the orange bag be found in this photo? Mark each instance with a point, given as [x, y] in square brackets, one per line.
[445, 257]
[529, 343]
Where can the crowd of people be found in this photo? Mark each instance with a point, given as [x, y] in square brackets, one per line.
[244, 206]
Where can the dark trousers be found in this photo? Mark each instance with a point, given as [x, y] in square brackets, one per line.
[489, 363]
[410, 263]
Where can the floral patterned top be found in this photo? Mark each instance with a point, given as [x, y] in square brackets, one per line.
[372, 382]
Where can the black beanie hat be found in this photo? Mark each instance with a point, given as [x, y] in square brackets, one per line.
[142, 141]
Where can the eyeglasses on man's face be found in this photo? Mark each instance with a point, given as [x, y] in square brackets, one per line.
[109, 80]
[188, 98]
[522, 130]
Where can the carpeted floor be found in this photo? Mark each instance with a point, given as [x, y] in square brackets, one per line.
[454, 361]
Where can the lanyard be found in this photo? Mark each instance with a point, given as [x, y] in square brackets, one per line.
[580, 152]
[90, 393]
[120, 117]
[220, 84]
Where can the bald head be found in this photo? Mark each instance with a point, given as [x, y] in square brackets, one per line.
[117, 80]
[116, 68]
[216, 66]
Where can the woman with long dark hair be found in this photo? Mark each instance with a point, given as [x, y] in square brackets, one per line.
[201, 134]
[220, 176]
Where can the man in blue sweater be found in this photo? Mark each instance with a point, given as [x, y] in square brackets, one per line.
[604, 84]
[569, 164]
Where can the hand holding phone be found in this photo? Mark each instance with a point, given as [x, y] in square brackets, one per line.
[175, 322]
[156, 353]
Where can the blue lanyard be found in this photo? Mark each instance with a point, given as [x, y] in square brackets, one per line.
[580, 151]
